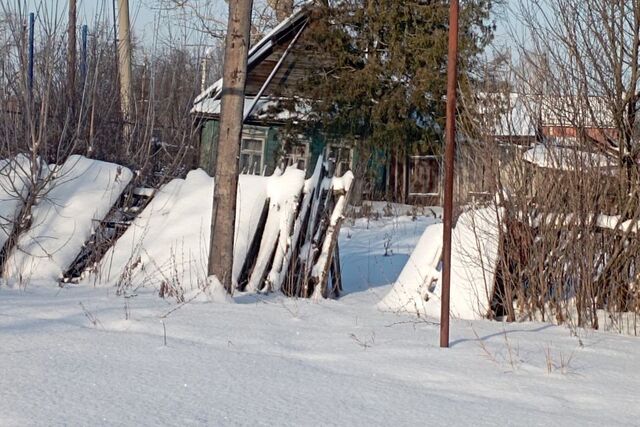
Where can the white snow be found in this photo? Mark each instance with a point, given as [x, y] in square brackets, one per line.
[415, 285]
[567, 158]
[169, 241]
[474, 253]
[81, 191]
[83, 356]
[508, 114]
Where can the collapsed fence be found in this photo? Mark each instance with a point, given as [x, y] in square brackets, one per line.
[89, 222]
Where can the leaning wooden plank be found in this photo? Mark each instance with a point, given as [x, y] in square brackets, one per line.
[306, 253]
[311, 249]
[288, 245]
[284, 193]
[285, 236]
[252, 253]
[319, 273]
[336, 274]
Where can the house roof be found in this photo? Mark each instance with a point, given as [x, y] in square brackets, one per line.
[507, 114]
[568, 158]
[261, 60]
[267, 108]
[517, 114]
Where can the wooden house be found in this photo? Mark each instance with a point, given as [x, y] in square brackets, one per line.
[272, 65]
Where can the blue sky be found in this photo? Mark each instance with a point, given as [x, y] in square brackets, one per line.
[143, 13]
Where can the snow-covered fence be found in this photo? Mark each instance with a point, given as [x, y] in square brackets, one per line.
[285, 237]
[45, 226]
[298, 251]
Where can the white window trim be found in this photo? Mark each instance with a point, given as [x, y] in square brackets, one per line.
[307, 150]
[328, 148]
[262, 140]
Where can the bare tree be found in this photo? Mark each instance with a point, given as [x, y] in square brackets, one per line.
[558, 147]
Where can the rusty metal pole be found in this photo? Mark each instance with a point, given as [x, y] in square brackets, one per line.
[450, 154]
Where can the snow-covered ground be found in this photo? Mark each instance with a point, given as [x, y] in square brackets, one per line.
[84, 356]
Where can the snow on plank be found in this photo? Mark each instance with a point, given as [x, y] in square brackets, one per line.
[474, 256]
[284, 194]
[81, 190]
[167, 245]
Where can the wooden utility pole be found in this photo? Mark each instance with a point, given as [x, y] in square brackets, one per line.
[71, 56]
[234, 75]
[124, 68]
[450, 154]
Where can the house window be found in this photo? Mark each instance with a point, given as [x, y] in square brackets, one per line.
[297, 154]
[251, 150]
[424, 175]
[341, 156]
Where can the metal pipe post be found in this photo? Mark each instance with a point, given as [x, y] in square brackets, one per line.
[32, 21]
[450, 153]
[83, 63]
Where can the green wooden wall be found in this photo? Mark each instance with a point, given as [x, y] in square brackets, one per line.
[272, 147]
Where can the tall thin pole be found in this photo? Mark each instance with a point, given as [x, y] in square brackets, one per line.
[32, 20]
[450, 153]
[115, 34]
[124, 68]
[83, 63]
[229, 136]
[71, 54]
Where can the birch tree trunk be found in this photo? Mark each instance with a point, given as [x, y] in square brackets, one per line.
[231, 117]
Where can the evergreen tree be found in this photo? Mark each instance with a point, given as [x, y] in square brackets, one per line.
[379, 77]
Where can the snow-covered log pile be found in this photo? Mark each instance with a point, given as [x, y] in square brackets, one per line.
[76, 193]
[474, 257]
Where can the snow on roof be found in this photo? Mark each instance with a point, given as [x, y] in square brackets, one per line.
[257, 50]
[507, 114]
[588, 112]
[518, 114]
[566, 158]
[266, 108]
[518, 120]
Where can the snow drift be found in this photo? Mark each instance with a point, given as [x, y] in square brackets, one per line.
[61, 221]
[168, 243]
[474, 254]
